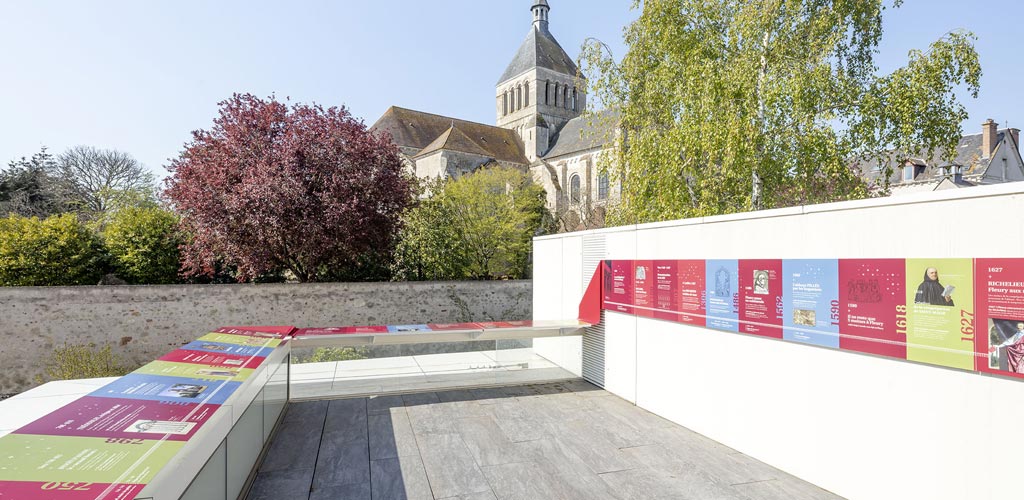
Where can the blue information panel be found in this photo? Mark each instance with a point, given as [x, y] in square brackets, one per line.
[810, 309]
[722, 282]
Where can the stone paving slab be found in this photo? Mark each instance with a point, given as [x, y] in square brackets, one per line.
[562, 440]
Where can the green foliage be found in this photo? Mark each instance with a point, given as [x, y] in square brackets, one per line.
[143, 244]
[326, 354]
[77, 361]
[479, 226]
[715, 93]
[59, 250]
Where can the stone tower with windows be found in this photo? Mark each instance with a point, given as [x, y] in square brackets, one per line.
[541, 90]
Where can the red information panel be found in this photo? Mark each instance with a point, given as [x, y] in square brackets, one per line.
[115, 418]
[666, 286]
[68, 490]
[643, 288]
[268, 332]
[618, 286]
[340, 330]
[493, 325]
[212, 359]
[691, 292]
[999, 291]
[451, 327]
[761, 297]
[872, 301]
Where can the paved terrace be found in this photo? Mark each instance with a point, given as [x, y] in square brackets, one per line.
[567, 440]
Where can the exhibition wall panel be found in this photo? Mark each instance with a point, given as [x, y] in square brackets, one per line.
[850, 419]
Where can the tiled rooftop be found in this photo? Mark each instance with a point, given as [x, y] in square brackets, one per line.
[563, 440]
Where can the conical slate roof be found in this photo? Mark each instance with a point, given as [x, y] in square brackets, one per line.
[540, 50]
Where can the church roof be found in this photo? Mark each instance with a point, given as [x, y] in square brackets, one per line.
[419, 130]
[539, 50]
[454, 139]
[585, 132]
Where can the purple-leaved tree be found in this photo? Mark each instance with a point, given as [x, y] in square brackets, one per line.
[270, 187]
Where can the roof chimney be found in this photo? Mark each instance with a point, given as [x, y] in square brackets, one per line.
[1015, 133]
[988, 138]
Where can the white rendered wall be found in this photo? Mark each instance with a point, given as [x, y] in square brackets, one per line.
[864, 427]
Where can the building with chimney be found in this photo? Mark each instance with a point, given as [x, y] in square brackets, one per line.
[991, 157]
[540, 127]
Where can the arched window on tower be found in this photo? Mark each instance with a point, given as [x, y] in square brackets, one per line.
[519, 97]
[526, 92]
[547, 92]
[574, 188]
[556, 95]
[565, 97]
[504, 104]
[575, 100]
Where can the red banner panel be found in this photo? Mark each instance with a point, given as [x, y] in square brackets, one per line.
[644, 288]
[873, 306]
[690, 292]
[999, 292]
[618, 286]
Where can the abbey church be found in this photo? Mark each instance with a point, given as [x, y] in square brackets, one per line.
[539, 100]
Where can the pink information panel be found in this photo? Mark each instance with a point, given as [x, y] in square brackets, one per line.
[618, 285]
[873, 306]
[690, 292]
[999, 291]
[115, 418]
[666, 290]
[644, 288]
[212, 359]
[761, 297]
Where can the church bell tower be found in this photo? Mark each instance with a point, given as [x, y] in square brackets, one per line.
[541, 89]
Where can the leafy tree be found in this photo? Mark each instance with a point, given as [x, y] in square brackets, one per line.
[31, 187]
[719, 95]
[301, 188]
[103, 180]
[59, 250]
[478, 226]
[143, 245]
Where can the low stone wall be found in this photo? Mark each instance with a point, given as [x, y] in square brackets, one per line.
[144, 322]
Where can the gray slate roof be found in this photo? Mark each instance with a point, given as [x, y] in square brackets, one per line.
[539, 50]
[585, 132]
[968, 154]
[418, 130]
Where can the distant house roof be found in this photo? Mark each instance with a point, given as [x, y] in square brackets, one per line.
[418, 130]
[585, 132]
[968, 155]
[539, 50]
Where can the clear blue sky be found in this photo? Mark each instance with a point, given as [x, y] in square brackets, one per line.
[140, 75]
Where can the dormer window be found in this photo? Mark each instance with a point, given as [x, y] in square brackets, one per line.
[908, 173]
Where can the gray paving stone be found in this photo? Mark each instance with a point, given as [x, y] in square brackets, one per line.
[484, 495]
[346, 420]
[429, 419]
[450, 467]
[391, 436]
[341, 462]
[775, 489]
[359, 491]
[295, 445]
[306, 411]
[384, 404]
[486, 441]
[518, 481]
[274, 485]
[420, 398]
[400, 479]
[566, 441]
